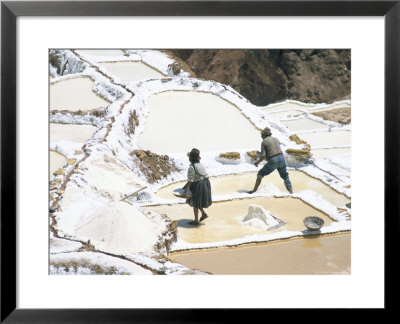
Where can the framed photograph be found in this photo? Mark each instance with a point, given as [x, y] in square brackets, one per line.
[119, 119]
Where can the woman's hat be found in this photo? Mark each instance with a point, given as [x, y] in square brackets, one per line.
[266, 132]
[194, 154]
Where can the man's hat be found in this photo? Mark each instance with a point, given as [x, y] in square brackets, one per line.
[266, 132]
[194, 154]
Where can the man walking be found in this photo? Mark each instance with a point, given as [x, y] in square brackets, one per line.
[271, 151]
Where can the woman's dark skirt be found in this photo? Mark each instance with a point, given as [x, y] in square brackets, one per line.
[201, 194]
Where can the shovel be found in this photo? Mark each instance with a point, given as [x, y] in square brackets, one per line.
[133, 193]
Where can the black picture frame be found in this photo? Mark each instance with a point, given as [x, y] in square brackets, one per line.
[10, 10]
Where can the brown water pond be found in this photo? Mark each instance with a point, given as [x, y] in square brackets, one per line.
[314, 255]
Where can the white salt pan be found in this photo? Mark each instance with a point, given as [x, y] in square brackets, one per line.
[132, 71]
[327, 153]
[294, 105]
[99, 52]
[71, 133]
[304, 124]
[327, 139]
[284, 113]
[75, 94]
[180, 120]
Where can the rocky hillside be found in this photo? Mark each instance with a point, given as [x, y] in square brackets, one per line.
[268, 76]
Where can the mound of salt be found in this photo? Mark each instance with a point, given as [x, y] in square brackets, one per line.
[121, 229]
[259, 217]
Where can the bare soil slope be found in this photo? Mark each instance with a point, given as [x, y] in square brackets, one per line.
[268, 76]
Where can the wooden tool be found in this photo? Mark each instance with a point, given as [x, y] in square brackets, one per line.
[133, 193]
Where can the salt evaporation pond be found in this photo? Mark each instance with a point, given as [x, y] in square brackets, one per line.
[75, 94]
[57, 161]
[315, 255]
[225, 221]
[180, 120]
[105, 52]
[283, 106]
[71, 133]
[132, 71]
[285, 114]
[272, 184]
[329, 152]
[340, 156]
[327, 139]
[330, 107]
[295, 107]
[304, 124]
[337, 170]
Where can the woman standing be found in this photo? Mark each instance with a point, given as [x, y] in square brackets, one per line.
[199, 184]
